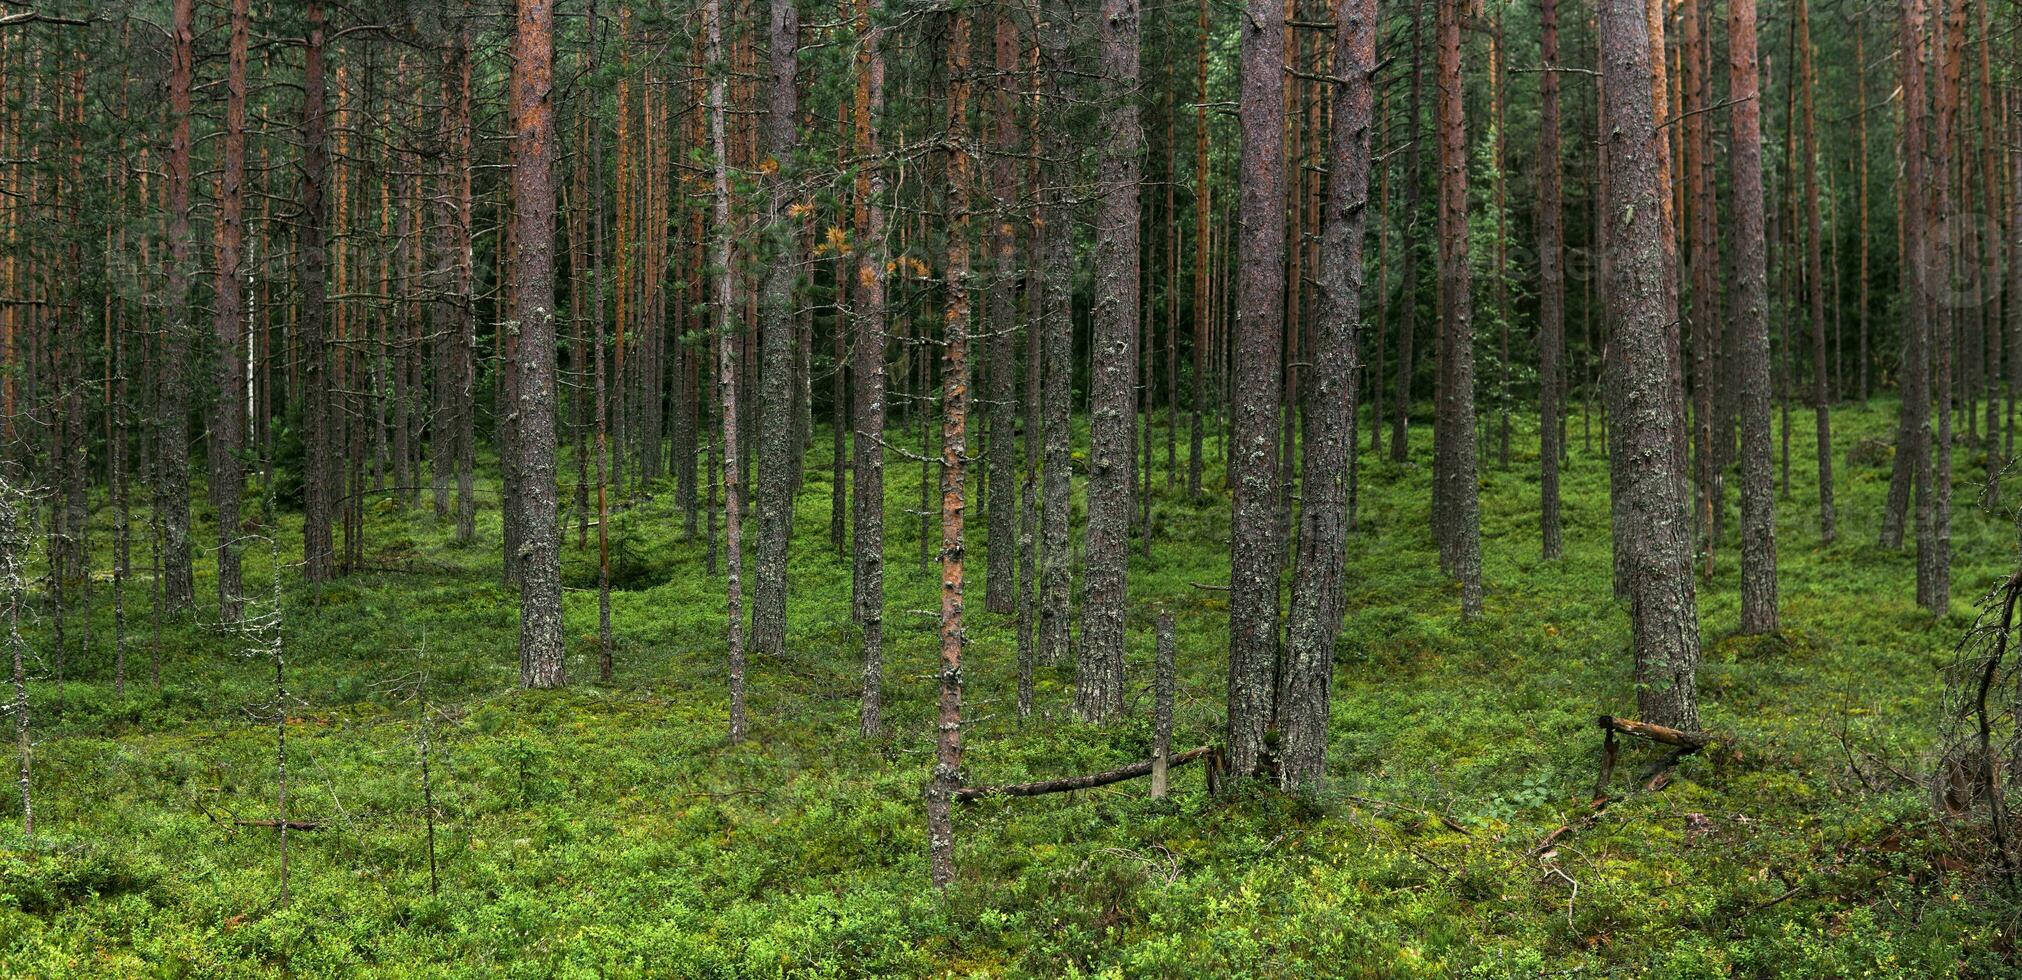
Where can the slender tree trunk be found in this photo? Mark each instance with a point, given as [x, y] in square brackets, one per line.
[1318, 585]
[869, 565]
[1663, 608]
[172, 489]
[1496, 97]
[1749, 315]
[2014, 311]
[13, 582]
[954, 430]
[726, 364]
[776, 339]
[228, 413]
[1455, 481]
[1701, 262]
[1551, 284]
[1407, 321]
[1056, 321]
[1815, 275]
[1934, 545]
[462, 241]
[1861, 100]
[1913, 417]
[1203, 266]
[1000, 582]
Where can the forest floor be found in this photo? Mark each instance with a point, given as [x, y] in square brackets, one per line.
[612, 830]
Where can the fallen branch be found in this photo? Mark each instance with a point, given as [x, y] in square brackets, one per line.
[1566, 830]
[1656, 733]
[970, 794]
[1659, 773]
[290, 824]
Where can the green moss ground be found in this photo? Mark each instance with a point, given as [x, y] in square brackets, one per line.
[611, 830]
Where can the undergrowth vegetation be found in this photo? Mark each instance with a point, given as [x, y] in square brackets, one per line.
[612, 830]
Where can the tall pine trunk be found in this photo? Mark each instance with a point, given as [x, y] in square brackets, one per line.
[538, 514]
[312, 255]
[1551, 285]
[1255, 552]
[1815, 275]
[954, 431]
[1749, 316]
[1056, 320]
[1650, 479]
[172, 489]
[1098, 677]
[868, 567]
[1455, 482]
[777, 327]
[1000, 581]
[1319, 584]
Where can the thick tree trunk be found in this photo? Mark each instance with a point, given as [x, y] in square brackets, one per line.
[540, 540]
[1098, 675]
[777, 326]
[1255, 551]
[1663, 608]
[1749, 317]
[1319, 583]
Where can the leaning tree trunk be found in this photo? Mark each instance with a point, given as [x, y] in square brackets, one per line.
[776, 329]
[1663, 607]
[1330, 422]
[1749, 317]
[1098, 675]
[1254, 553]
